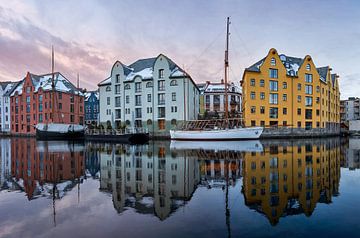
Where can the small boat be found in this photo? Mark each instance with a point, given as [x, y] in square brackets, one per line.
[55, 130]
[229, 129]
[217, 134]
[59, 131]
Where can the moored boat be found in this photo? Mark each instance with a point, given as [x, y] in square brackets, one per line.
[59, 131]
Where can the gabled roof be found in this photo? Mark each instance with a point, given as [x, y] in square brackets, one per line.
[323, 73]
[89, 93]
[333, 78]
[15, 85]
[144, 69]
[292, 64]
[44, 81]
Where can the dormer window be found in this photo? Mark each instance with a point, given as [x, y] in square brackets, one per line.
[273, 62]
[308, 67]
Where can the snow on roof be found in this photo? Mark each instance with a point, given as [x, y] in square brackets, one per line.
[88, 95]
[106, 81]
[177, 72]
[146, 73]
[62, 84]
[220, 87]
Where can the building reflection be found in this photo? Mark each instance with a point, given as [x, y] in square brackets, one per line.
[291, 177]
[351, 153]
[42, 168]
[149, 178]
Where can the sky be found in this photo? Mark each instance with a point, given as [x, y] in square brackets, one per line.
[90, 35]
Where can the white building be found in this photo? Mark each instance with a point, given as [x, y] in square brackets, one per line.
[5, 89]
[153, 93]
[350, 109]
[213, 99]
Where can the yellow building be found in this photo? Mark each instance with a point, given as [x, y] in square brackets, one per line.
[290, 178]
[286, 91]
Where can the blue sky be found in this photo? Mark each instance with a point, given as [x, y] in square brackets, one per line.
[90, 35]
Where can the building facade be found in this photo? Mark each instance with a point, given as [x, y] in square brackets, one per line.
[5, 88]
[153, 93]
[92, 108]
[212, 99]
[32, 99]
[286, 91]
[350, 109]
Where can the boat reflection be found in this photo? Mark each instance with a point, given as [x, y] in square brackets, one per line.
[240, 146]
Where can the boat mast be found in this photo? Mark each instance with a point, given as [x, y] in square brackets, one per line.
[52, 85]
[226, 71]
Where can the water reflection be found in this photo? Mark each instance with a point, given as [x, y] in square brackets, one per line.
[289, 178]
[276, 178]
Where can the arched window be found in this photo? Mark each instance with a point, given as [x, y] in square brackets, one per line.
[127, 122]
[149, 85]
[149, 122]
[308, 67]
[108, 88]
[173, 83]
[173, 122]
[273, 62]
[127, 86]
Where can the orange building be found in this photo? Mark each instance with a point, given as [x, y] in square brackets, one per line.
[32, 101]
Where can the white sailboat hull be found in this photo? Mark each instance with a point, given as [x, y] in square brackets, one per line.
[219, 134]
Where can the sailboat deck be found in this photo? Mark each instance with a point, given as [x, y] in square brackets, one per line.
[211, 124]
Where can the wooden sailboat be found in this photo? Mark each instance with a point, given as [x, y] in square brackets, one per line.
[57, 131]
[210, 130]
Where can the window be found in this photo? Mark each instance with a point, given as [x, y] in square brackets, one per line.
[284, 97]
[72, 108]
[253, 123]
[299, 124]
[117, 113]
[117, 79]
[161, 73]
[273, 112]
[137, 112]
[108, 88]
[173, 83]
[273, 98]
[308, 67]
[161, 98]
[284, 85]
[308, 78]
[117, 89]
[127, 99]
[161, 85]
[137, 100]
[117, 102]
[299, 111]
[299, 86]
[40, 118]
[252, 95]
[262, 110]
[149, 97]
[161, 112]
[108, 100]
[173, 96]
[72, 118]
[60, 106]
[252, 82]
[262, 95]
[308, 89]
[262, 123]
[284, 111]
[40, 107]
[60, 95]
[308, 101]
[127, 86]
[273, 61]
[253, 109]
[149, 85]
[299, 98]
[262, 83]
[138, 87]
[317, 89]
[273, 73]
[308, 114]
[174, 109]
[317, 112]
[273, 85]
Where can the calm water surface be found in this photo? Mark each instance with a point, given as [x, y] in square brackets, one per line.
[266, 188]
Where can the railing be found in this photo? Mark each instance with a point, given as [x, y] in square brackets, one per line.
[116, 131]
[211, 124]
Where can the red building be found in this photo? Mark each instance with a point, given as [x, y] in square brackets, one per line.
[35, 163]
[32, 101]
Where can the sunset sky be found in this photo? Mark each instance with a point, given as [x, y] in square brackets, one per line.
[89, 36]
